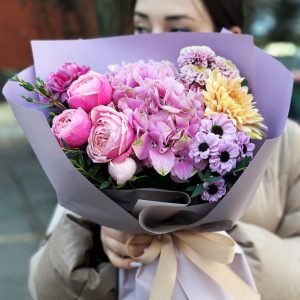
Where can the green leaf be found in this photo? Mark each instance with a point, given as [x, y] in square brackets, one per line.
[104, 185]
[204, 176]
[93, 171]
[52, 114]
[241, 165]
[212, 179]
[81, 160]
[198, 190]
[201, 176]
[138, 142]
[135, 178]
[65, 145]
[191, 188]
[28, 99]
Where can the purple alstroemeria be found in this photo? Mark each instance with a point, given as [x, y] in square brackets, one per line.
[246, 148]
[214, 191]
[183, 168]
[198, 55]
[203, 146]
[156, 143]
[219, 125]
[224, 159]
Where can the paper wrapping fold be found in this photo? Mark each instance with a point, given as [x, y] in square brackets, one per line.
[272, 94]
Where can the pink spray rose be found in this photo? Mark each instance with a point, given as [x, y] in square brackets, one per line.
[111, 136]
[58, 82]
[123, 171]
[73, 126]
[89, 91]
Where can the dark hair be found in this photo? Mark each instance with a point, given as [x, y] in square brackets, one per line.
[225, 13]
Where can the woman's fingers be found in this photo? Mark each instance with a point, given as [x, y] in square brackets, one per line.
[142, 239]
[120, 248]
[120, 262]
[114, 245]
[114, 234]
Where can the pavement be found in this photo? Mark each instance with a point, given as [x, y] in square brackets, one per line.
[27, 201]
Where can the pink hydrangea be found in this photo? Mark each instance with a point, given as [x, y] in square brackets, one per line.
[126, 76]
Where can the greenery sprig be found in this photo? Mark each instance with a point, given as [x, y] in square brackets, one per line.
[39, 88]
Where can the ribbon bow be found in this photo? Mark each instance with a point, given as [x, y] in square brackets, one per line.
[210, 252]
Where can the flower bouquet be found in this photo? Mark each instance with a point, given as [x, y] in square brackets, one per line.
[160, 133]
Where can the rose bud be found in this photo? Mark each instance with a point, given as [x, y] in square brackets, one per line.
[111, 136]
[89, 91]
[123, 171]
[73, 126]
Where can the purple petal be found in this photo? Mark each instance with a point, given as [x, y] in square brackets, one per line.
[162, 163]
[182, 169]
[142, 146]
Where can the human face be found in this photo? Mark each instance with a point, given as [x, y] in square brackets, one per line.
[156, 16]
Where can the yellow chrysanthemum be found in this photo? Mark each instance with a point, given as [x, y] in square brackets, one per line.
[224, 95]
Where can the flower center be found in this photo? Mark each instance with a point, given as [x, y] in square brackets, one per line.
[225, 156]
[244, 149]
[212, 189]
[218, 130]
[203, 147]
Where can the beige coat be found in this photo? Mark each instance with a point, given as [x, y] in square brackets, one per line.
[67, 266]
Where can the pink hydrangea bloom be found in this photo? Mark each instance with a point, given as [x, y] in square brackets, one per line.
[126, 76]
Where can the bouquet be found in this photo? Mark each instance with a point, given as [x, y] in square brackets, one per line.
[154, 124]
[160, 134]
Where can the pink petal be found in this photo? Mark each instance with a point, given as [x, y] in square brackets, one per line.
[171, 109]
[142, 146]
[162, 162]
[182, 169]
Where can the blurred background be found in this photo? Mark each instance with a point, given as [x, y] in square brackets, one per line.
[26, 197]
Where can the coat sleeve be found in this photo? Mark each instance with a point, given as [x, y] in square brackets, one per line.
[290, 224]
[274, 258]
[274, 261]
[71, 265]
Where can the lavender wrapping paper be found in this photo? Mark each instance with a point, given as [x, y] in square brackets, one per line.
[77, 194]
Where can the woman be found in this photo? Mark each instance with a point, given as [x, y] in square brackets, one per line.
[71, 266]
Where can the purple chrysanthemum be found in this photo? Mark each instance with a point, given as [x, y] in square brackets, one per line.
[213, 191]
[197, 55]
[219, 125]
[226, 67]
[224, 160]
[203, 146]
[246, 148]
[192, 74]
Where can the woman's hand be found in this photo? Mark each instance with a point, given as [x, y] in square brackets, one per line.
[114, 241]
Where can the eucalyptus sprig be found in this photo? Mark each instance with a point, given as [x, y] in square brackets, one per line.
[39, 88]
